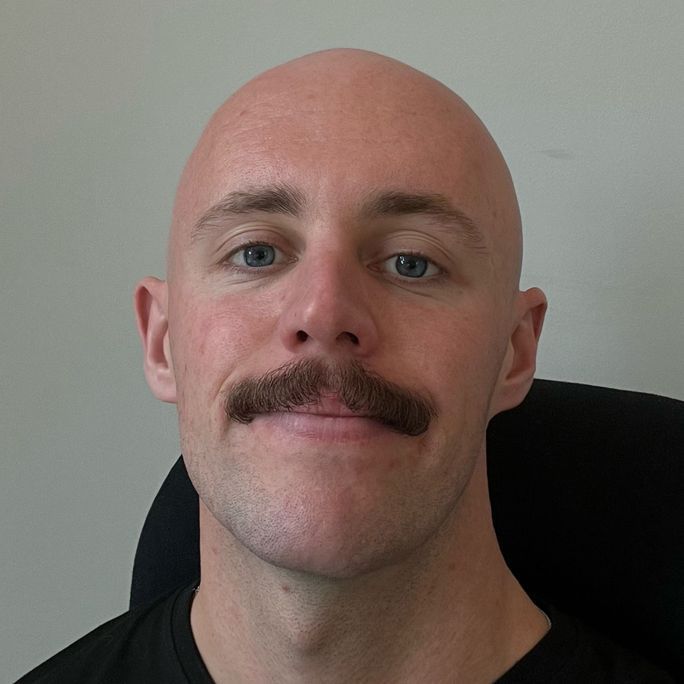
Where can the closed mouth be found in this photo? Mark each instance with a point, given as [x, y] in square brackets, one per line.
[328, 406]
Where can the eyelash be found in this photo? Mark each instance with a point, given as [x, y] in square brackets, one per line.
[225, 262]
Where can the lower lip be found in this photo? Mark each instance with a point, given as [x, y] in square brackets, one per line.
[323, 428]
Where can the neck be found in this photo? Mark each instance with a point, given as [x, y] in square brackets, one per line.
[452, 611]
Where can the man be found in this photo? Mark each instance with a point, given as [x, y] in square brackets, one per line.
[341, 319]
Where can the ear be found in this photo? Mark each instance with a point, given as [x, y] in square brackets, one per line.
[151, 304]
[520, 362]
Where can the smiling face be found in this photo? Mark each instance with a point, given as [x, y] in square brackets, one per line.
[345, 222]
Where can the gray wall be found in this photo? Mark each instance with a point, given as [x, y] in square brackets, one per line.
[100, 103]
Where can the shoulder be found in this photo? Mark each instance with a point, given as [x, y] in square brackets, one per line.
[126, 648]
[574, 652]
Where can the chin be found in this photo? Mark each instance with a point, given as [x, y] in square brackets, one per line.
[330, 559]
[333, 541]
[338, 513]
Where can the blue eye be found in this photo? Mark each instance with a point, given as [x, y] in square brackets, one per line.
[412, 265]
[254, 256]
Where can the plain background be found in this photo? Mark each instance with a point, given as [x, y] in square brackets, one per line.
[100, 104]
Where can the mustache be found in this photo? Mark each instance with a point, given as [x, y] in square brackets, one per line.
[304, 382]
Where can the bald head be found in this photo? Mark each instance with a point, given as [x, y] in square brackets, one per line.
[324, 117]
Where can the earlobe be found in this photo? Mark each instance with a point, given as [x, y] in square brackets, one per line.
[151, 302]
[520, 363]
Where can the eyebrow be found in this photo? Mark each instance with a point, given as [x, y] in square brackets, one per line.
[434, 206]
[284, 199]
[276, 199]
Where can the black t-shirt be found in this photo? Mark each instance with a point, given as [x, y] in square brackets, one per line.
[154, 644]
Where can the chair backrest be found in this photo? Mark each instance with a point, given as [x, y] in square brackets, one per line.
[587, 490]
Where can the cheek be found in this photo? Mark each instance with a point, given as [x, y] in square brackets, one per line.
[462, 342]
[458, 359]
[211, 339]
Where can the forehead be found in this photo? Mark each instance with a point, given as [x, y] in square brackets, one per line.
[336, 150]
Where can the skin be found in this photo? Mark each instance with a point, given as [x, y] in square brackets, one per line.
[332, 557]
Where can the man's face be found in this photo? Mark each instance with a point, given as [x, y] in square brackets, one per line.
[339, 244]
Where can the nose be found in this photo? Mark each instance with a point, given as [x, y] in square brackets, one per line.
[327, 309]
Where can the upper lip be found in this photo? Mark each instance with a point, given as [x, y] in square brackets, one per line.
[326, 406]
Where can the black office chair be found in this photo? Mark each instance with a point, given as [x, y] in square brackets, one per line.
[587, 489]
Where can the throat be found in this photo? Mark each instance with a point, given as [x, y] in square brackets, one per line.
[338, 630]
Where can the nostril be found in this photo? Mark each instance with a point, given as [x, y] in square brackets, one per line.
[303, 336]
